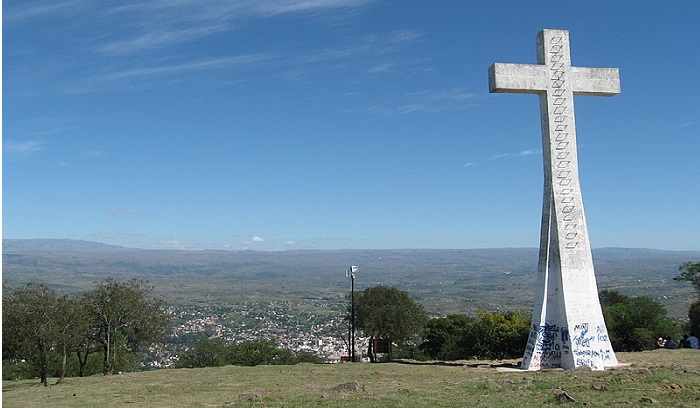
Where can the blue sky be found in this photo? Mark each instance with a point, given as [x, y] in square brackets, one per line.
[324, 124]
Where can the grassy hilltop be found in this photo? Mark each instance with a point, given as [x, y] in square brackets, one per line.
[668, 378]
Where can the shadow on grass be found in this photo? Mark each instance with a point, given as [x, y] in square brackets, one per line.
[457, 364]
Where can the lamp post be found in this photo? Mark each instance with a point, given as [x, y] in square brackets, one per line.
[350, 273]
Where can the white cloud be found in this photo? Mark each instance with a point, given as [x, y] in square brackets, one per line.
[22, 148]
[528, 152]
[257, 239]
[522, 153]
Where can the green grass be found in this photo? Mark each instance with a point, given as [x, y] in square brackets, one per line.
[663, 378]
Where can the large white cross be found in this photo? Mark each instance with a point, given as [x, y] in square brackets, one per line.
[568, 329]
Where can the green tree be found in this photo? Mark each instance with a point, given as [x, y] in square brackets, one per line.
[690, 272]
[29, 327]
[634, 323]
[260, 352]
[213, 352]
[505, 334]
[72, 328]
[126, 317]
[443, 337]
[611, 297]
[384, 312]
[694, 317]
[487, 336]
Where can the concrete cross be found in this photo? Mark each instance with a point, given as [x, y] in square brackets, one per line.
[568, 329]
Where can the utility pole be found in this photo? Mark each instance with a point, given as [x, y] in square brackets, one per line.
[350, 273]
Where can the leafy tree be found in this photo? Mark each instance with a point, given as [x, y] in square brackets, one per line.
[72, 328]
[29, 327]
[212, 352]
[694, 317]
[80, 365]
[125, 315]
[611, 297]
[443, 337]
[384, 312]
[690, 272]
[87, 347]
[634, 323]
[487, 336]
[504, 335]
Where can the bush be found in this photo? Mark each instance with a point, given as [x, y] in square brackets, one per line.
[18, 370]
[207, 353]
[634, 323]
[215, 353]
[488, 336]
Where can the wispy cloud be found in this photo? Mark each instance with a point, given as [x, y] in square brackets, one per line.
[23, 148]
[139, 41]
[106, 79]
[342, 57]
[286, 6]
[26, 10]
[358, 58]
[372, 45]
[683, 125]
[159, 38]
[428, 101]
[163, 23]
[522, 153]
[215, 63]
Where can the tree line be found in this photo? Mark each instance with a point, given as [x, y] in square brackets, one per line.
[216, 352]
[633, 323]
[47, 331]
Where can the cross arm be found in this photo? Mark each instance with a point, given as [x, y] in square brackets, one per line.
[517, 78]
[596, 81]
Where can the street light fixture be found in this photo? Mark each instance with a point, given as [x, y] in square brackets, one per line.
[350, 273]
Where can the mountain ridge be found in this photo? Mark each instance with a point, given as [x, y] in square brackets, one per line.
[16, 245]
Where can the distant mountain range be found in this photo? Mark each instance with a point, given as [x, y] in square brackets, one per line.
[66, 245]
[54, 245]
[446, 280]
